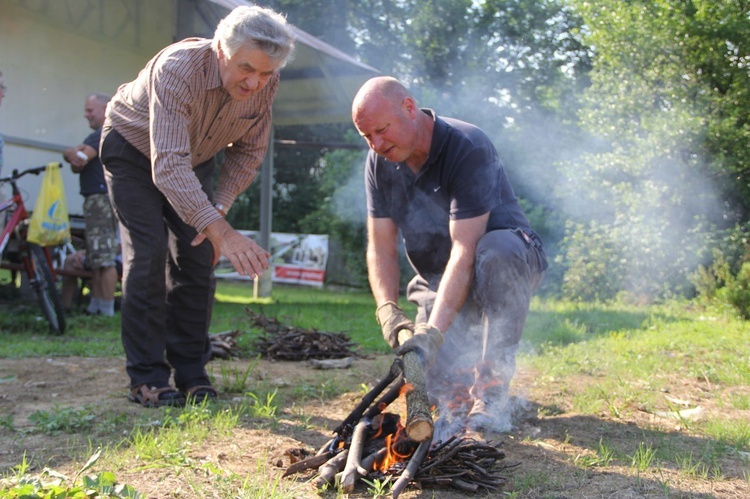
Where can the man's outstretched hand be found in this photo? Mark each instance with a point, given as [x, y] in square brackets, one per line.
[245, 255]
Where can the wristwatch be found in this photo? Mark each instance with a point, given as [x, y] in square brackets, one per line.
[221, 209]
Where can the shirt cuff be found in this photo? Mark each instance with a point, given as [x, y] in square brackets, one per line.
[205, 217]
[225, 199]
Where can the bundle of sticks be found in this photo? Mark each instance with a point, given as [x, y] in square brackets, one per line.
[280, 342]
[373, 444]
[224, 344]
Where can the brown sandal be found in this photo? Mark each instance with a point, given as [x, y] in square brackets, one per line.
[150, 396]
[197, 394]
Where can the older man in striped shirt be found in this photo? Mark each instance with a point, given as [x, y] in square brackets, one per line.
[162, 131]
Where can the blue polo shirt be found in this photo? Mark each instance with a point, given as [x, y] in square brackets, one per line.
[462, 178]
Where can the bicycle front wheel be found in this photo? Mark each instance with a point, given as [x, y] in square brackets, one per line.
[43, 283]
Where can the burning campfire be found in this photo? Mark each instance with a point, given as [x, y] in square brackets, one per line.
[374, 444]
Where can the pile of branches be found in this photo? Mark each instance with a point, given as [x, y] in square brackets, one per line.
[368, 439]
[280, 342]
[463, 463]
[224, 345]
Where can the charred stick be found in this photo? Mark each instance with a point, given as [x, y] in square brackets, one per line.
[328, 446]
[327, 472]
[309, 463]
[440, 445]
[437, 460]
[348, 423]
[353, 469]
[411, 469]
[464, 485]
[419, 425]
[392, 394]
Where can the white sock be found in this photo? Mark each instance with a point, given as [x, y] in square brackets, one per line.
[93, 306]
[107, 308]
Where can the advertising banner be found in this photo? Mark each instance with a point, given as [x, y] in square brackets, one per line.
[295, 259]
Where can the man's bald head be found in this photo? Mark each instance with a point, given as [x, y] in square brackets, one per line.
[388, 118]
[377, 92]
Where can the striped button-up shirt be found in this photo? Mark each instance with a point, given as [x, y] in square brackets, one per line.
[177, 113]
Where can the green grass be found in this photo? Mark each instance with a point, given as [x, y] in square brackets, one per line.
[603, 362]
[24, 333]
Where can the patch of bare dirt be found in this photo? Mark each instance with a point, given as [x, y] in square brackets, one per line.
[549, 441]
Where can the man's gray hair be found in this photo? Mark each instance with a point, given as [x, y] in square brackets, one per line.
[255, 28]
[100, 97]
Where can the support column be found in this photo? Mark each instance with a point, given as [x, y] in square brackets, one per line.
[262, 287]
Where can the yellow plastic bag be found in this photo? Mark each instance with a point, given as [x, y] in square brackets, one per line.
[50, 224]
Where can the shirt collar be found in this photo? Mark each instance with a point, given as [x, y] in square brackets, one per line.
[439, 131]
[213, 78]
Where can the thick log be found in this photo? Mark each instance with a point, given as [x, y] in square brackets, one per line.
[419, 426]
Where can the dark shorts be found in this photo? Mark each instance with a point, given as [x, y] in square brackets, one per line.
[102, 244]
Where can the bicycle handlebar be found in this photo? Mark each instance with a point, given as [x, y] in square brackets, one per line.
[31, 171]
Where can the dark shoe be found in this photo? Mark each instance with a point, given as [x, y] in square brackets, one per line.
[199, 393]
[156, 397]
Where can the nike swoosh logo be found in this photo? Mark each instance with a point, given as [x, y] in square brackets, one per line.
[437, 188]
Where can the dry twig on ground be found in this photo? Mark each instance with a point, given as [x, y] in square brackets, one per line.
[280, 342]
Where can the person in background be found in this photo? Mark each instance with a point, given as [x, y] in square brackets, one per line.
[102, 243]
[440, 182]
[77, 262]
[162, 130]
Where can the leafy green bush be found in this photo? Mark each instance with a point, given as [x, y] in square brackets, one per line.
[725, 280]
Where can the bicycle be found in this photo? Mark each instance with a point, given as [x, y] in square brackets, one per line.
[25, 256]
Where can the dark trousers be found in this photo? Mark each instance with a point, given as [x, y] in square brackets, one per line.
[486, 332]
[167, 285]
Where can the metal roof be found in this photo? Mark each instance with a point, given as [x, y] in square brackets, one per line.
[318, 84]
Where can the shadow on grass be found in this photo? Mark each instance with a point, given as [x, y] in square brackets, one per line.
[568, 452]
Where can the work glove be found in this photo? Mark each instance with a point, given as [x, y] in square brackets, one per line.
[392, 319]
[426, 342]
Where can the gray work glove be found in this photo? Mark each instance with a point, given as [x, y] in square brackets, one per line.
[426, 341]
[392, 319]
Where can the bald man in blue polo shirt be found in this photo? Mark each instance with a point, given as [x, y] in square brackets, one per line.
[440, 182]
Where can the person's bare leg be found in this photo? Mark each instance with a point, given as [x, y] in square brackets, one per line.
[107, 285]
[68, 292]
[95, 287]
[70, 283]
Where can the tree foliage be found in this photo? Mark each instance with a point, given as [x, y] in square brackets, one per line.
[623, 124]
[665, 87]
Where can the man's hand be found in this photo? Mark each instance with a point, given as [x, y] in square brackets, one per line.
[392, 319]
[426, 341]
[245, 255]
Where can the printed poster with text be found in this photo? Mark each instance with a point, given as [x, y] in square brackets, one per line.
[295, 258]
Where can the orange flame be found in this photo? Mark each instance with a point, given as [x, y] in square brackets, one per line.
[393, 455]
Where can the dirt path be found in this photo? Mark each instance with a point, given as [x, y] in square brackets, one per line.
[547, 444]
